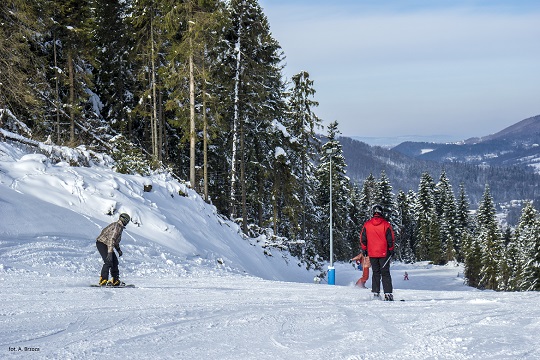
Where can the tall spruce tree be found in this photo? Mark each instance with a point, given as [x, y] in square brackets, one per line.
[367, 198]
[341, 198]
[428, 246]
[490, 240]
[301, 125]
[385, 197]
[510, 266]
[445, 203]
[515, 250]
[209, 33]
[405, 233]
[258, 102]
[356, 219]
[527, 239]
[463, 221]
[472, 253]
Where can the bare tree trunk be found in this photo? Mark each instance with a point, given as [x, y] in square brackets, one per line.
[260, 204]
[205, 137]
[71, 71]
[243, 177]
[162, 129]
[236, 120]
[153, 121]
[57, 105]
[192, 139]
[304, 197]
[275, 214]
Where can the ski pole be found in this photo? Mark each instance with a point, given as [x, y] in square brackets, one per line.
[386, 262]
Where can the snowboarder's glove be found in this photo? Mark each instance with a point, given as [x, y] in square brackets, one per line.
[364, 252]
[119, 252]
[109, 257]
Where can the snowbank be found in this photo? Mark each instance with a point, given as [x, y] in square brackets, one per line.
[66, 206]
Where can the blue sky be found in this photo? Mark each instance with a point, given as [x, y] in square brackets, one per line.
[398, 68]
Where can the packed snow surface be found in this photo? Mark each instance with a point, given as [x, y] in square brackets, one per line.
[205, 292]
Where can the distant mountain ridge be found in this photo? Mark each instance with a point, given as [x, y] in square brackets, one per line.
[516, 145]
[505, 161]
[525, 129]
[391, 141]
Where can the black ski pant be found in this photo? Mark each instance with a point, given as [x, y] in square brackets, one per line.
[381, 269]
[111, 266]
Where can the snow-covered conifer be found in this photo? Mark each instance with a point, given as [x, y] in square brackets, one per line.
[425, 217]
[527, 250]
[490, 239]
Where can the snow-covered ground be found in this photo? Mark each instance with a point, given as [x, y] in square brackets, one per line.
[204, 292]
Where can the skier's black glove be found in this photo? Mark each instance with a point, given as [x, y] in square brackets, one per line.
[119, 252]
[109, 257]
[391, 253]
[364, 252]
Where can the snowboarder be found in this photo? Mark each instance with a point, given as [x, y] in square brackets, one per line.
[108, 240]
[406, 276]
[377, 242]
[362, 262]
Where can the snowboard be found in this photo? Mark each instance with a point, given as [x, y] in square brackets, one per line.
[113, 287]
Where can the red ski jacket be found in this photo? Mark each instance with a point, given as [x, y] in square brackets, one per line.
[377, 237]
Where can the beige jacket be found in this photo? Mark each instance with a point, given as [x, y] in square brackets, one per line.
[111, 235]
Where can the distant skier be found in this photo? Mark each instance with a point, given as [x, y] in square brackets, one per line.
[364, 263]
[108, 240]
[377, 242]
[406, 276]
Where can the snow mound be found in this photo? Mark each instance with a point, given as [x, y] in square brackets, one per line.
[52, 213]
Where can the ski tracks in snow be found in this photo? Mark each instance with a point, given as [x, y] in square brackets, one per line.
[240, 317]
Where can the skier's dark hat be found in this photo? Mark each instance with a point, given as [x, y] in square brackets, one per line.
[377, 209]
[124, 218]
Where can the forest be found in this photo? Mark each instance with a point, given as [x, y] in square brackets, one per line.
[196, 88]
[507, 183]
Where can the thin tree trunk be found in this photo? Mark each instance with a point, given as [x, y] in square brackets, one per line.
[191, 118]
[153, 121]
[236, 120]
[275, 210]
[304, 197]
[205, 137]
[162, 130]
[71, 71]
[243, 176]
[57, 105]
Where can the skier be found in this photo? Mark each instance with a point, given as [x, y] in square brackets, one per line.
[362, 261]
[406, 276]
[377, 242]
[108, 240]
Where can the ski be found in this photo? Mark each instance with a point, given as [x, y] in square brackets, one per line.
[381, 298]
[113, 287]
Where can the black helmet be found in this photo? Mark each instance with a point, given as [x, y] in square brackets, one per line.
[377, 209]
[124, 218]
